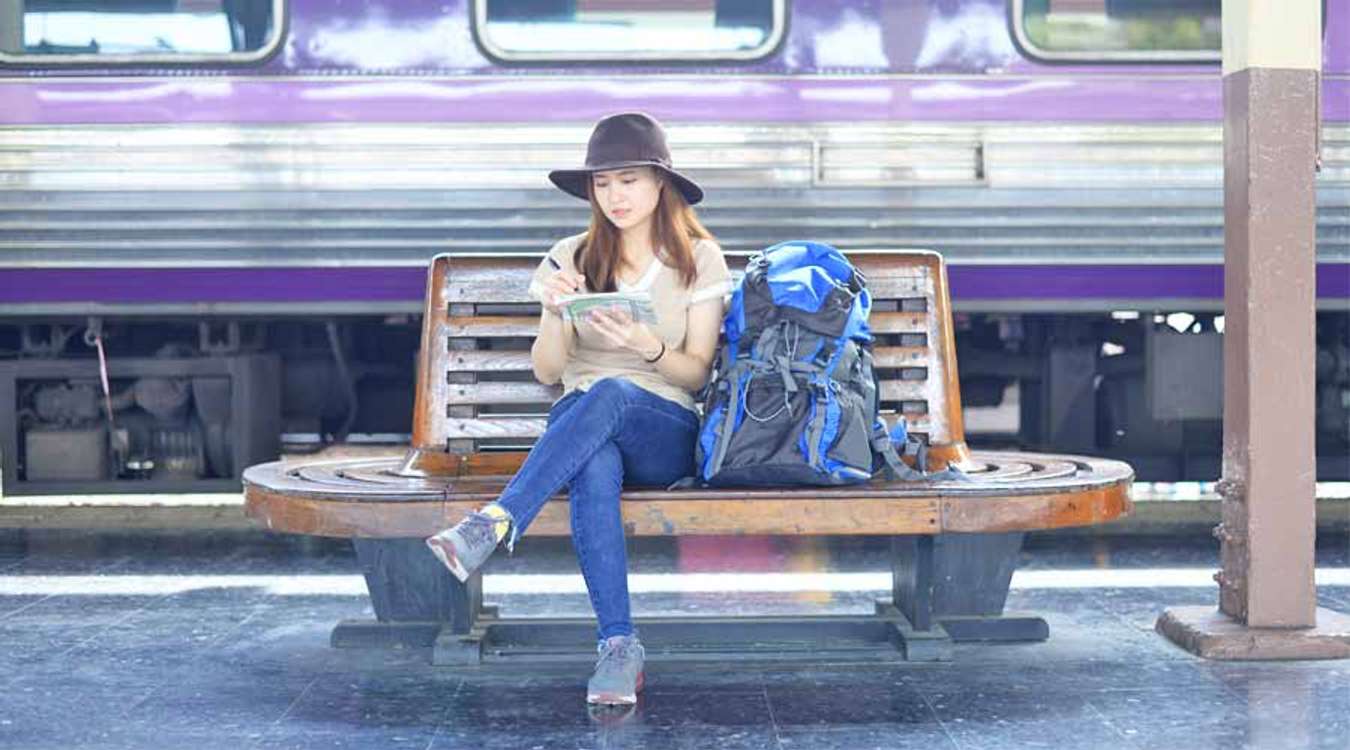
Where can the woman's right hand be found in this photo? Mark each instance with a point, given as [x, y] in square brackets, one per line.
[560, 284]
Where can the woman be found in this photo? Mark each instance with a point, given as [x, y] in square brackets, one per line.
[627, 413]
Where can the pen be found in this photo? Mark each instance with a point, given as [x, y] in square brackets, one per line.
[556, 266]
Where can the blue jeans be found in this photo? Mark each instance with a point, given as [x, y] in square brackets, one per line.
[612, 434]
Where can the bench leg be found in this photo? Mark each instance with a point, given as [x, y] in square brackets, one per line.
[953, 587]
[415, 598]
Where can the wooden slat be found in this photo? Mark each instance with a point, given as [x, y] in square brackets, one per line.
[496, 462]
[893, 357]
[887, 357]
[898, 322]
[883, 264]
[488, 361]
[1085, 507]
[493, 326]
[532, 427]
[841, 516]
[506, 279]
[289, 503]
[508, 289]
[915, 265]
[540, 394]
[502, 393]
[475, 285]
[893, 288]
[908, 390]
[502, 427]
[523, 327]
[845, 516]
[674, 517]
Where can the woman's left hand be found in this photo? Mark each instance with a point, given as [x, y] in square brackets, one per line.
[622, 331]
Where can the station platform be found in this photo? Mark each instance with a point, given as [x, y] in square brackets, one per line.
[219, 639]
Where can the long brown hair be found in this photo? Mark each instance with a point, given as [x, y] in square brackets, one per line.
[675, 229]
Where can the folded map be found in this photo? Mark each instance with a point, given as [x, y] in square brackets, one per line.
[638, 305]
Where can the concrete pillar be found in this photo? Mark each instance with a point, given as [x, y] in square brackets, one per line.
[11, 26]
[1267, 598]
[1272, 55]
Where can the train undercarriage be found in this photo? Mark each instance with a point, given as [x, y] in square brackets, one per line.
[190, 402]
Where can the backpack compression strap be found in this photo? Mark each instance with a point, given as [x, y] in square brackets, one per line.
[897, 470]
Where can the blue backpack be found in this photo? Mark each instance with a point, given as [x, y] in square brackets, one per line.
[793, 398]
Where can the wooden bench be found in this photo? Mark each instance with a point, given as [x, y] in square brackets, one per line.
[478, 408]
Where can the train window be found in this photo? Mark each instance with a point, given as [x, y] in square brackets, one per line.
[138, 31]
[595, 30]
[1138, 30]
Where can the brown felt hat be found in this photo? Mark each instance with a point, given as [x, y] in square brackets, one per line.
[631, 139]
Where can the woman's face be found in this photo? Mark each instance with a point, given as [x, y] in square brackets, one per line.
[627, 196]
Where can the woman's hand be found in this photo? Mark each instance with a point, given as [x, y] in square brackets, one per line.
[560, 284]
[623, 332]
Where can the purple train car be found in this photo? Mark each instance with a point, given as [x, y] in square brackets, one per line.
[201, 177]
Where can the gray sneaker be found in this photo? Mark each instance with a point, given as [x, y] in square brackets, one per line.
[618, 672]
[464, 547]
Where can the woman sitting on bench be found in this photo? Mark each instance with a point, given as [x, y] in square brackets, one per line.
[627, 413]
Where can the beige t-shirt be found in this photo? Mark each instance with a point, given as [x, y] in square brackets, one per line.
[595, 358]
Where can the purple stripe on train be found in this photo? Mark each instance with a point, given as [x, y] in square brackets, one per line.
[149, 286]
[1147, 282]
[124, 286]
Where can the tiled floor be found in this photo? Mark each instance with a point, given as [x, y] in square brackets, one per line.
[195, 641]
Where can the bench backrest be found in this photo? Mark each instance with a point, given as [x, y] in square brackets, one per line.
[478, 407]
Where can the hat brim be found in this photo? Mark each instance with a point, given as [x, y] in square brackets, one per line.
[574, 181]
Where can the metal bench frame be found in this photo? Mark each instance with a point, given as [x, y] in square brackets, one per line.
[954, 545]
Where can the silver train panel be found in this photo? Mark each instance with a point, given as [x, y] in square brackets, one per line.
[325, 195]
